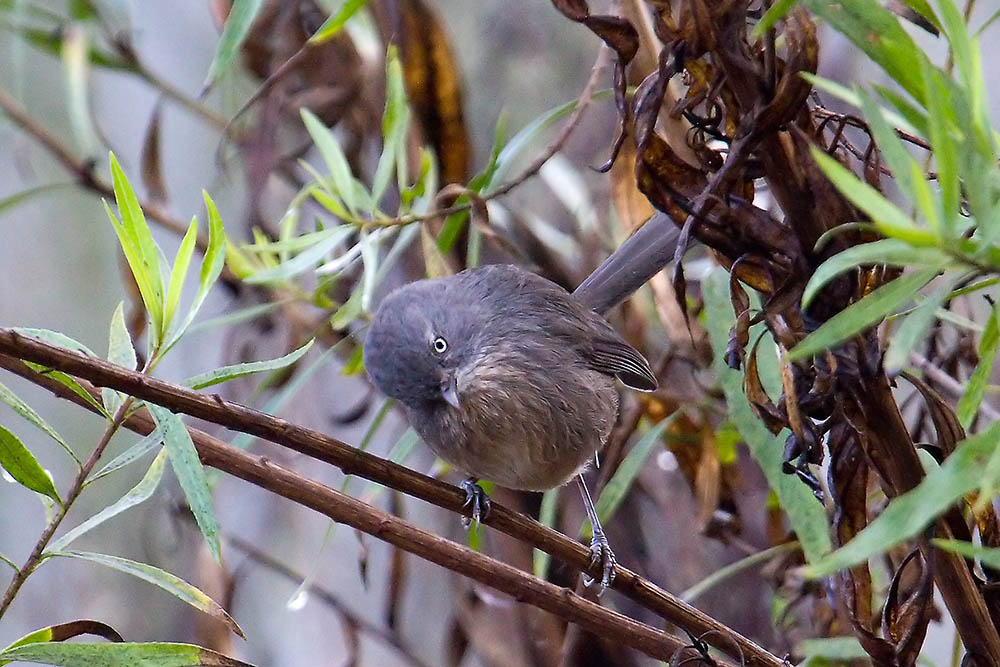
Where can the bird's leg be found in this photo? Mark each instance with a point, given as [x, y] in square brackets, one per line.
[477, 498]
[600, 550]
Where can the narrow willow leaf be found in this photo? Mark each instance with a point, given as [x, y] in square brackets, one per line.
[154, 575]
[72, 384]
[54, 338]
[241, 16]
[911, 331]
[435, 263]
[722, 574]
[336, 21]
[819, 652]
[395, 122]
[76, 68]
[905, 169]
[348, 312]
[18, 198]
[547, 517]
[399, 453]
[8, 561]
[369, 244]
[968, 404]
[26, 411]
[908, 514]
[239, 316]
[179, 272]
[863, 314]
[886, 251]
[120, 655]
[139, 493]
[190, 474]
[775, 13]
[227, 373]
[805, 513]
[64, 631]
[618, 486]
[940, 112]
[133, 453]
[139, 248]
[306, 260]
[333, 156]
[988, 556]
[882, 212]
[877, 32]
[120, 352]
[528, 136]
[22, 466]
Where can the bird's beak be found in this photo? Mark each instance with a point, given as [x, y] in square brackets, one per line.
[449, 391]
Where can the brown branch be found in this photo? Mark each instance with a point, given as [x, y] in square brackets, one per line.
[237, 417]
[523, 587]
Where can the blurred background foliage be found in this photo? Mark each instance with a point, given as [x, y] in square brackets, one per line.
[319, 157]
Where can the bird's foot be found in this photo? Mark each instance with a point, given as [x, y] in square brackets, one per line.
[600, 552]
[478, 500]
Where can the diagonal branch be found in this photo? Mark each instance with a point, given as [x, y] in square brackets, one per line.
[352, 461]
[526, 588]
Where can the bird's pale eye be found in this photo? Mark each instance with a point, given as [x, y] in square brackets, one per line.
[440, 345]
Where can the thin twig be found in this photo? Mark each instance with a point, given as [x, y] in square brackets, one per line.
[35, 557]
[237, 417]
[326, 597]
[526, 588]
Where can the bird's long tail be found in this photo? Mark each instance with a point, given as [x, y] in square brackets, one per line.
[629, 267]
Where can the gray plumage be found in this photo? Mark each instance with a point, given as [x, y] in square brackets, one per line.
[523, 392]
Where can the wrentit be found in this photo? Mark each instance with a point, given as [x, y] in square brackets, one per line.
[509, 377]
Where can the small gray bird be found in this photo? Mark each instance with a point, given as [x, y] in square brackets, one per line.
[509, 377]
[506, 376]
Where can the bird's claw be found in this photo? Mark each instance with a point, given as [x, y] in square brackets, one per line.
[600, 552]
[478, 500]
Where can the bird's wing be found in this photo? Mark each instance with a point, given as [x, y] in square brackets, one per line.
[618, 358]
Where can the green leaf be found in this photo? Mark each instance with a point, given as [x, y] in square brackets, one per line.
[940, 108]
[304, 261]
[22, 466]
[154, 575]
[988, 556]
[54, 338]
[968, 404]
[120, 352]
[190, 474]
[911, 331]
[877, 32]
[336, 21]
[63, 631]
[817, 652]
[25, 410]
[805, 513]
[75, 54]
[892, 252]
[776, 12]
[179, 271]
[889, 219]
[618, 486]
[227, 373]
[13, 201]
[120, 655]
[133, 453]
[348, 312]
[395, 123]
[333, 156]
[547, 517]
[908, 514]
[139, 248]
[862, 314]
[140, 492]
[72, 384]
[241, 16]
